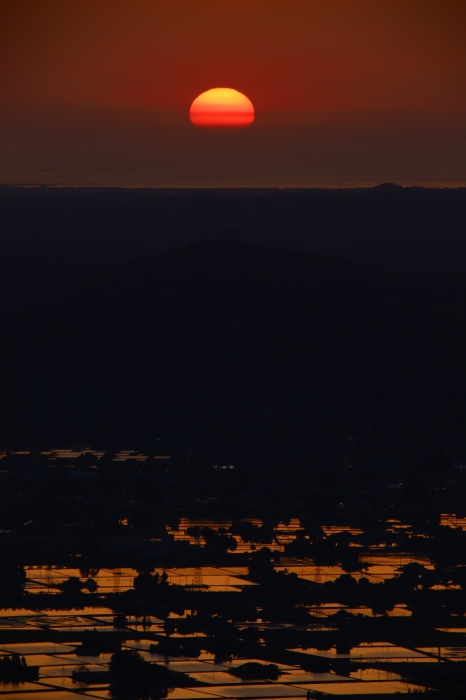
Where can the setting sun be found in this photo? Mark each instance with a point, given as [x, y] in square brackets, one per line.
[222, 107]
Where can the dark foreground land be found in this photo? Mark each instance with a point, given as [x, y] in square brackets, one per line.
[318, 584]
[267, 326]
[290, 367]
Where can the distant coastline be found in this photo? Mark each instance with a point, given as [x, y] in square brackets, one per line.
[226, 188]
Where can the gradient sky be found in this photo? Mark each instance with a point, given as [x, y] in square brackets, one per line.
[352, 91]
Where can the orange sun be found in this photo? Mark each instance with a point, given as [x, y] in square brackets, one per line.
[222, 107]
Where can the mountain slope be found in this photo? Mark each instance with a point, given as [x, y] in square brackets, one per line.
[168, 341]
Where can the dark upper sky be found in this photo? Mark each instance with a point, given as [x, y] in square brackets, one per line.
[357, 91]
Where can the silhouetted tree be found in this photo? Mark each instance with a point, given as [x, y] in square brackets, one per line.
[253, 671]
[132, 678]
[14, 669]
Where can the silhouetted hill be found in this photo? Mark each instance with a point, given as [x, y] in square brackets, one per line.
[227, 290]
[399, 228]
[29, 278]
[238, 344]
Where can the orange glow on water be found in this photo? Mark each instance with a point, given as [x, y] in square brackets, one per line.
[222, 107]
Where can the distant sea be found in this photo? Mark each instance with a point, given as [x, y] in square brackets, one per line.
[407, 177]
[345, 175]
[259, 158]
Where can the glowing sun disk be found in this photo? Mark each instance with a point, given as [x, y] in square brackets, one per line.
[222, 107]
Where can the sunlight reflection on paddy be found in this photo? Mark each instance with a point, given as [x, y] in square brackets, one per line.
[256, 691]
[74, 658]
[48, 660]
[67, 683]
[119, 580]
[450, 653]
[369, 650]
[459, 630]
[281, 535]
[300, 676]
[374, 674]
[58, 695]
[196, 667]
[139, 644]
[58, 661]
[37, 648]
[108, 580]
[365, 688]
[216, 677]
[57, 671]
[190, 693]
[34, 692]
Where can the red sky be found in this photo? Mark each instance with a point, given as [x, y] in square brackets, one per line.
[95, 89]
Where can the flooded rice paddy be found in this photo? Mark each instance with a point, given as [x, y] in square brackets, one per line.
[375, 567]
[57, 661]
[48, 579]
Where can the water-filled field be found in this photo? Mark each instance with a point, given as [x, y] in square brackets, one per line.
[57, 661]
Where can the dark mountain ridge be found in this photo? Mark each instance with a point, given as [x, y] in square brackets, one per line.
[169, 343]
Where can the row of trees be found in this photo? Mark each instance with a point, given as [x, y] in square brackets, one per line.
[14, 669]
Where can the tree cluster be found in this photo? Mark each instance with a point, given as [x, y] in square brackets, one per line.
[14, 669]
